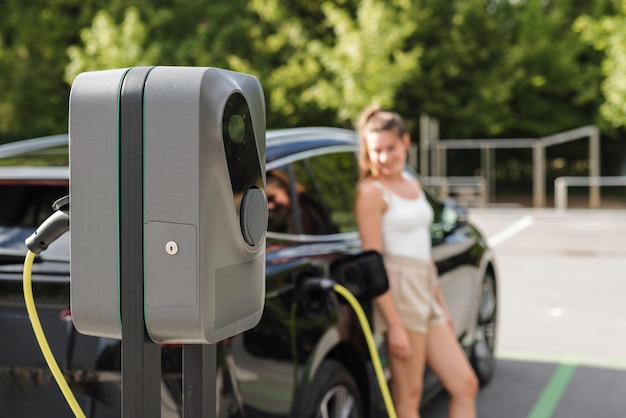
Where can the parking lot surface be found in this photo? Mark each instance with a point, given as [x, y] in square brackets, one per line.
[562, 333]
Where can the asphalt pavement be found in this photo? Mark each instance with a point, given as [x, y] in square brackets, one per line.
[561, 344]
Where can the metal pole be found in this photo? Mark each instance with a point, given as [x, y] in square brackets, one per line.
[560, 194]
[432, 147]
[594, 169]
[424, 143]
[199, 374]
[141, 358]
[539, 175]
[488, 163]
[443, 161]
[412, 158]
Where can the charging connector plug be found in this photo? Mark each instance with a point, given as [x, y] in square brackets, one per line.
[52, 228]
[317, 283]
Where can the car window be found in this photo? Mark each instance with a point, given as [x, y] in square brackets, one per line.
[329, 183]
[279, 198]
[24, 208]
[27, 206]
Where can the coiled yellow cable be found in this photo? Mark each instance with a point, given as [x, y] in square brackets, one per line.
[367, 331]
[41, 338]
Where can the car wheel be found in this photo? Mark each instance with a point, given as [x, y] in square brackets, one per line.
[333, 394]
[483, 349]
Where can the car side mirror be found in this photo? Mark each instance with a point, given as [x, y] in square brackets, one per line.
[363, 274]
[453, 215]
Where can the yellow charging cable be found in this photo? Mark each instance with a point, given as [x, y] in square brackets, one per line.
[367, 331]
[41, 338]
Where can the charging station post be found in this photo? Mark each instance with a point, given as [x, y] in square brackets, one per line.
[168, 219]
[199, 387]
[141, 358]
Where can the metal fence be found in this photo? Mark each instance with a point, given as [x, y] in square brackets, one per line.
[467, 191]
[562, 183]
[433, 156]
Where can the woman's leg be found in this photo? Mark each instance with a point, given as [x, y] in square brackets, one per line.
[447, 360]
[407, 378]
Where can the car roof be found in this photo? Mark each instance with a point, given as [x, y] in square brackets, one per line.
[279, 143]
[17, 148]
[283, 142]
[27, 174]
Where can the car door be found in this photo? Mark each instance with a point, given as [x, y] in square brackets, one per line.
[310, 223]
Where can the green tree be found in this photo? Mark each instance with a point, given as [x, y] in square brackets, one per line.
[35, 36]
[322, 62]
[559, 78]
[33, 39]
[107, 45]
[608, 34]
[503, 68]
[369, 60]
[276, 52]
[483, 68]
[462, 80]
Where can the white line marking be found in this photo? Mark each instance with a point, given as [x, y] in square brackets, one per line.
[609, 363]
[511, 230]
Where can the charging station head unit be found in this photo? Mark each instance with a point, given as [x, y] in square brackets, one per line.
[202, 201]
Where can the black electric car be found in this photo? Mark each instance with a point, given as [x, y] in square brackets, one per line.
[306, 358]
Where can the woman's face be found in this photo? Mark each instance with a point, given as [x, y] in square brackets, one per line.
[387, 152]
[277, 196]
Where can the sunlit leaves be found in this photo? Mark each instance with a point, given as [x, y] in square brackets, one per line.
[370, 59]
[608, 34]
[483, 68]
[109, 45]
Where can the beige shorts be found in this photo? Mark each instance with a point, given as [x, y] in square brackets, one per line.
[412, 285]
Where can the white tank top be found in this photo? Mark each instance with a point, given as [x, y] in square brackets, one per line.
[406, 225]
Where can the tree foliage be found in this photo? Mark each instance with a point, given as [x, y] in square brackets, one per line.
[608, 34]
[33, 38]
[368, 61]
[507, 69]
[484, 68]
[107, 45]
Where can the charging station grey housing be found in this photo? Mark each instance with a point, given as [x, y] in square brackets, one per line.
[205, 210]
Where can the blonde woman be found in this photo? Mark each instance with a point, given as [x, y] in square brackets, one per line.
[393, 218]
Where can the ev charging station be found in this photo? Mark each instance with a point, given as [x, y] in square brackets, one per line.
[168, 215]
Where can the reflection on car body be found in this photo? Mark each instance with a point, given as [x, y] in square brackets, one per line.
[307, 357]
